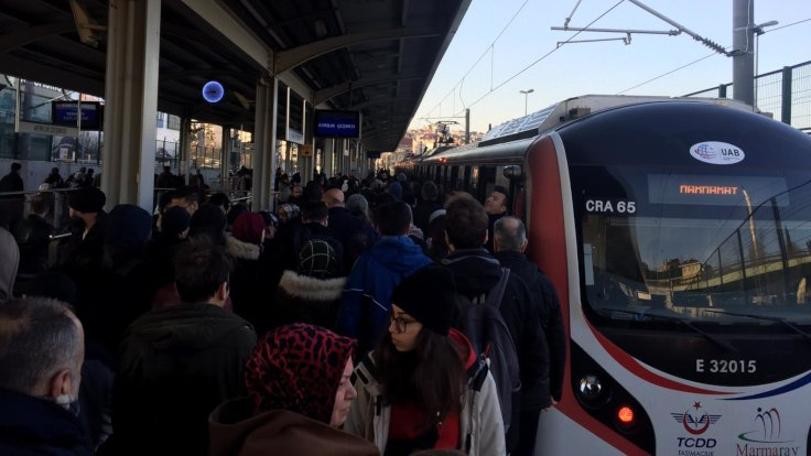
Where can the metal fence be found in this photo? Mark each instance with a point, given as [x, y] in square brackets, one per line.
[785, 94]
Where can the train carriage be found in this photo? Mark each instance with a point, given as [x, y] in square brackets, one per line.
[677, 233]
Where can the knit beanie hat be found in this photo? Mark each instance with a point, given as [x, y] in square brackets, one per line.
[428, 295]
[248, 227]
[317, 259]
[298, 368]
[396, 190]
[174, 221]
[129, 227]
[87, 200]
[210, 221]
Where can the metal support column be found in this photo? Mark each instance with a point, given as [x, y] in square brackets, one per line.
[743, 43]
[184, 153]
[225, 165]
[467, 126]
[785, 112]
[131, 95]
[339, 156]
[264, 153]
[329, 156]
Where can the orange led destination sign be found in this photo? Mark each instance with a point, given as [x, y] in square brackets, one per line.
[716, 190]
[687, 189]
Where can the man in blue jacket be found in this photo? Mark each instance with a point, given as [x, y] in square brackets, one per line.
[366, 305]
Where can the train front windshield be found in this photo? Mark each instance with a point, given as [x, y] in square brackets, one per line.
[693, 227]
[730, 249]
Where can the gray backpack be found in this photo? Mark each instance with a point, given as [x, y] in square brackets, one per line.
[480, 320]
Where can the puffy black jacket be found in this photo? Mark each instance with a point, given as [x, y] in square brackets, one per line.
[32, 426]
[176, 365]
[476, 272]
[546, 301]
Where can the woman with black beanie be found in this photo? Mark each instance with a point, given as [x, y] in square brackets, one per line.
[424, 386]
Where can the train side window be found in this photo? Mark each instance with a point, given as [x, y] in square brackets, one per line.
[466, 180]
[473, 185]
[454, 180]
[487, 181]
[500, 179]
[460, 178]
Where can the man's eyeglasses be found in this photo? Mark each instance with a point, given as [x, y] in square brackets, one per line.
[400, 323]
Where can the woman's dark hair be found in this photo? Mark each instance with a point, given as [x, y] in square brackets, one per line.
[432, 375]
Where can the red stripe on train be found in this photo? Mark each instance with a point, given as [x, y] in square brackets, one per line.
[547, 247]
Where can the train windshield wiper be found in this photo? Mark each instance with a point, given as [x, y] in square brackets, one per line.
[687, 323]
[782, 321]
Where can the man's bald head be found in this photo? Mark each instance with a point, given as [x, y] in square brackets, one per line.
[510, 234]
[333, 197]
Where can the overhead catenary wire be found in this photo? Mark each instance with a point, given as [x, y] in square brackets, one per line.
[788, 25]
[541, 58]
[668, 73]
[488, 50]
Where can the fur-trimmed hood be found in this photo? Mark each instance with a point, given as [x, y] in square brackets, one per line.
[311, 288]
[241, 250]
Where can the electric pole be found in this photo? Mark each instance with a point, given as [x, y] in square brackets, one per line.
[526, 97]
[743, 45]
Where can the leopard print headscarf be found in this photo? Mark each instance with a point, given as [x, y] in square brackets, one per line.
[298, 368]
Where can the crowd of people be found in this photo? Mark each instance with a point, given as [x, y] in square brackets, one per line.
[361, 317]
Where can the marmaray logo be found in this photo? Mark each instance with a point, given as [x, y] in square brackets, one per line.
[695, 422]
[768, 424]
[767, 436]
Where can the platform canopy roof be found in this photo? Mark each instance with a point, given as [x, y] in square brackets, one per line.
[375, 56]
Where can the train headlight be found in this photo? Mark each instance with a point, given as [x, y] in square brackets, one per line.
[590, 388]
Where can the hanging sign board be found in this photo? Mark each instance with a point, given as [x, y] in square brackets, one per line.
[63, 113]
[337, 124]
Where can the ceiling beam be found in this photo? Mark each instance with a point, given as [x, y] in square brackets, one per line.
[46, 74]
[17, 37]
[328, 93]
[223, 21]
[291, 58]
[201, 72]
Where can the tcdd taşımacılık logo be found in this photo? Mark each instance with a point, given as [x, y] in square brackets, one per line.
[695, 423]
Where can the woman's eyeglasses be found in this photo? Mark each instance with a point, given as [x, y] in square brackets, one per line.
[400, 323]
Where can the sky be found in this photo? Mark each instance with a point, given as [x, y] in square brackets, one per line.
[595, 68]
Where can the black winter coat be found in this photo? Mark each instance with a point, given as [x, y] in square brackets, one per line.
[33, 235]
[32, 426]
[543, 294]
[249, 284]
[476, 272]
[423, 212]
[176, 365]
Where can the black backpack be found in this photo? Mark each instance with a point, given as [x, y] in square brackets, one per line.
[481, 322]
